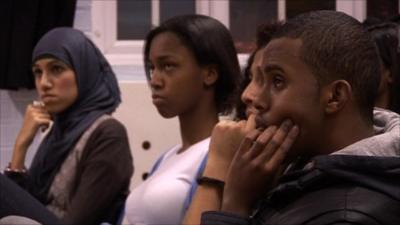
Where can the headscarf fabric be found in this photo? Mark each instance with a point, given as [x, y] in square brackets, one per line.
[98, 94]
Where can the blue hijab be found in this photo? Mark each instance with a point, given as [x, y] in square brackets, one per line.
[98, 94]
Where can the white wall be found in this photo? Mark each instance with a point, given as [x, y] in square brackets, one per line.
[12, 108]
[145, 124]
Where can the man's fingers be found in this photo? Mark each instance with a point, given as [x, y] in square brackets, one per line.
[284, 148]
[248, 141]
[262, 141]
[275, 143]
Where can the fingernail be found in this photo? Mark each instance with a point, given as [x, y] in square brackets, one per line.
[38, 103]
[287, 124]
[272, 128]
[296, 130]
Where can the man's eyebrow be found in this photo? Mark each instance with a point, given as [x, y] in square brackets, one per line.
[271, 67]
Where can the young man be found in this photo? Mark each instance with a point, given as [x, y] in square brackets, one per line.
[314, 151]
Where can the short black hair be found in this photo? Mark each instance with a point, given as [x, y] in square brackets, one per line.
[336, 46]
[386, 37]
[211, 43]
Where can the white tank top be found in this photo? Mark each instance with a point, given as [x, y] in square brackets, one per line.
[160, 199]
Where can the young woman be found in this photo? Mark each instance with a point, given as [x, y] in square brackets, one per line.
[193, 72]
[82, 169]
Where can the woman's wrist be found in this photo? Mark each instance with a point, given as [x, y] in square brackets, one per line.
[219, 175]
[10, 169]
[18, 157]
[15, 174]
[210, 181]
[216, 170]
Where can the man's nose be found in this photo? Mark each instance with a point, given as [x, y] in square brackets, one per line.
[254, 98]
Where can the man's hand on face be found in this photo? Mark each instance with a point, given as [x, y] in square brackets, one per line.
[255, 166]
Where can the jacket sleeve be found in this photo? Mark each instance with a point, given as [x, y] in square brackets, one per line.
[222, 218]
[104, 175]
[347, 217]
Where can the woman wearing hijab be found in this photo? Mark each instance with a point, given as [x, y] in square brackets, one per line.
[82, 169]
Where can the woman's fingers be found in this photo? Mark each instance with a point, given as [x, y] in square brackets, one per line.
[36, 116]
[37, 104]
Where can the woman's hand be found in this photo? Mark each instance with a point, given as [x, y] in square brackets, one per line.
[36, 116]
[256, 165]
[225, 141]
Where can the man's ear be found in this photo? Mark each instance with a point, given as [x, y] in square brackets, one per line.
[210, 75]
[336, 95]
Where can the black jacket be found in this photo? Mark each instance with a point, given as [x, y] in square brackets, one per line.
[335, 189]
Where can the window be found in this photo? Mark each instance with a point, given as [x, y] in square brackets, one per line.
[243, 18]
[119, 26]
[171, 8]
[136, 18]
[133, 19]
[295, 7]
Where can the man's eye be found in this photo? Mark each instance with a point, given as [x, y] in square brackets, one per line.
[278, 81]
